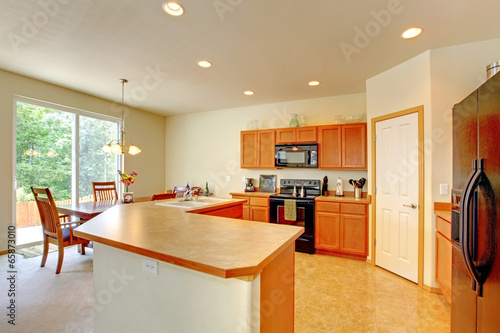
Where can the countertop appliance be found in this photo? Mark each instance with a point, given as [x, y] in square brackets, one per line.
[296, 155]
[475, 300]
[302, 192]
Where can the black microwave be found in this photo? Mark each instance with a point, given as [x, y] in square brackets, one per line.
[296, 155]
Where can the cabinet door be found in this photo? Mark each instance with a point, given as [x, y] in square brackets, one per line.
[354, 146]
[307, 134]
[246, 212]
[248, 158]
[443, 265]
[327, 230]
[353, 234]
[330, 146]
[260, 214]
[265, 151]
[285, 135]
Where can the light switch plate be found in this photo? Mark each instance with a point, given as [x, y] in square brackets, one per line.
[150, 266]
[228, 178]
[443, 188]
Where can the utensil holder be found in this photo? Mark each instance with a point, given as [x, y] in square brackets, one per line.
[358, 192]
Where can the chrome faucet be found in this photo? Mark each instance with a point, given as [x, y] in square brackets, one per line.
[188, 195]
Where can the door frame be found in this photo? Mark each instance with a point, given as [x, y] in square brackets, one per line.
[420, 112]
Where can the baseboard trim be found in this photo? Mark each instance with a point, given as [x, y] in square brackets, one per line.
[433, 290]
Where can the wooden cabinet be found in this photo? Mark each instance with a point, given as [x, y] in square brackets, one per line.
[265, 150]
[354, 146]
[248, 149]
[330, 146]
[257, 149]
[443, 256]
[342, 146]
[341, 228]
[254, 208]
[306, 134]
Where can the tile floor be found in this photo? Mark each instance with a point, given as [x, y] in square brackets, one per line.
[334, 294]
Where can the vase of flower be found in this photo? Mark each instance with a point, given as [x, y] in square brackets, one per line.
[127, 180]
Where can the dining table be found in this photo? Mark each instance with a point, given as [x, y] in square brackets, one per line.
[88, 210]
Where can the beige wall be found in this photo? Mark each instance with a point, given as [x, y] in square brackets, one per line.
[146, 129]
[205, 146]
[436, 79]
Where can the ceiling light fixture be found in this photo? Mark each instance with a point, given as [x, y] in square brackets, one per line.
[411, 32]
[249, 93]
[314, 83]
[119, 147]
[204, 63]
[173, 8]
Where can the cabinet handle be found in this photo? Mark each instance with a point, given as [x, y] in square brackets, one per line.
[411, 206]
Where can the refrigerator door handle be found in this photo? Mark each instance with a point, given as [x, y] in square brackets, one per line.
[472, 184]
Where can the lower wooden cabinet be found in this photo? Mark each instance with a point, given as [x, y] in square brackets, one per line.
[443, 257]
[254, 208]
[341, 228]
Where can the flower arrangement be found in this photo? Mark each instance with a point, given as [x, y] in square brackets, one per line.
[357, 183]
[127, 179]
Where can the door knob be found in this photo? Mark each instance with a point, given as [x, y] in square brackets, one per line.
[411, 206]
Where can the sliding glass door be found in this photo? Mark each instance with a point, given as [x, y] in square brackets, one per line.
[58, 148]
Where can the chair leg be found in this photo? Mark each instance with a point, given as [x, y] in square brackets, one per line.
[45, 250]
[60, 249]
[81, 248]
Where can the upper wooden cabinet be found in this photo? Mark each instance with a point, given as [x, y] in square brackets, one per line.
[306, 134]
[257, 149]
[339, 146]
[354, 146]
[342, 146]
[248, 149]
[265, 151]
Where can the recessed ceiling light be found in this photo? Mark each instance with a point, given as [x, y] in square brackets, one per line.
[411, 32]
[314, 83]
[204, 63]
[249, 93]
[173, 8]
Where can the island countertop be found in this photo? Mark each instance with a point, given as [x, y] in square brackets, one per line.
[223, 247]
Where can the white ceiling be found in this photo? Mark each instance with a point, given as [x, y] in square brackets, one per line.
[272, 47]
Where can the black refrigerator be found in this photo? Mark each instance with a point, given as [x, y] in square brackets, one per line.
[475, 300]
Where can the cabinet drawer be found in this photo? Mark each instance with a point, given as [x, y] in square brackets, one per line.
[353, 208]
[331, 207]
[247, 201]
[444, 227]
[264, 202]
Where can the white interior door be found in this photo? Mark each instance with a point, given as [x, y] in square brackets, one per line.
[397, 206]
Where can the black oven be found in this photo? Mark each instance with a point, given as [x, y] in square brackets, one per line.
[305, 218]
[303, 193]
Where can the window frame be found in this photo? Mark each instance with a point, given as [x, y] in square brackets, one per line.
[75, 158]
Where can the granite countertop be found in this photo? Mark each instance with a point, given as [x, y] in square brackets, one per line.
[444, 214]
[346, 199]
[254, 194]
[219, 246]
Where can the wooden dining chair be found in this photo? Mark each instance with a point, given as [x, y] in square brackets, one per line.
[55, 231]
[163, 196]
[104, 191]
[180, 190]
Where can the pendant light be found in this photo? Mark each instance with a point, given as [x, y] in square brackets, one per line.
[121, 146]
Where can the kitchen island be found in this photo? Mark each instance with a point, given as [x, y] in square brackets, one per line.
[214, 274]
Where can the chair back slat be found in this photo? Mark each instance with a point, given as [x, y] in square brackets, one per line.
[49, 215]
[104, 191]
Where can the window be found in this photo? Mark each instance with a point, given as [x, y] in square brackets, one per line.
[59, 148]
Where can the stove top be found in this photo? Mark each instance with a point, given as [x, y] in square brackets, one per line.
[289, 187]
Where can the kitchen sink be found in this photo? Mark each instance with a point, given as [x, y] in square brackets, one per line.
[202, 201]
